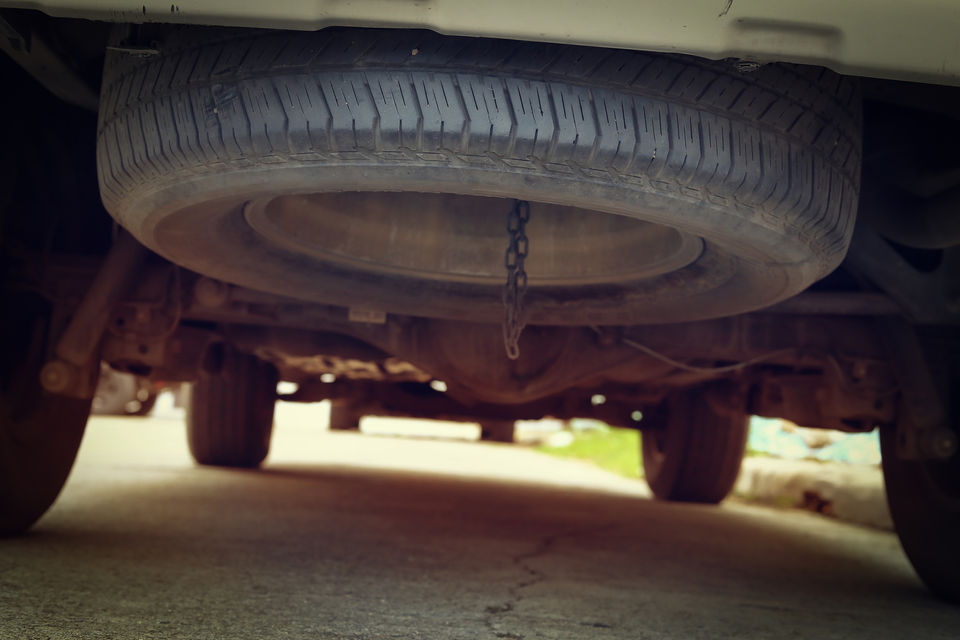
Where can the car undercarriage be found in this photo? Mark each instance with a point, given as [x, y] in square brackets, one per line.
[410, 224]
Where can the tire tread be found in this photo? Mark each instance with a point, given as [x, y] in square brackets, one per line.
[230, 414]
[676, 123]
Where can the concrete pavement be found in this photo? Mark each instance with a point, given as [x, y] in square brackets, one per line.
[848, 492]
[357, 536]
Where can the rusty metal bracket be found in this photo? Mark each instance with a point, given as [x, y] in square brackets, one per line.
[421, 400]
[142, 323]
[79, 345]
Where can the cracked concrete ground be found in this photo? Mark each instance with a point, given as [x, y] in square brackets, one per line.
[358, 536]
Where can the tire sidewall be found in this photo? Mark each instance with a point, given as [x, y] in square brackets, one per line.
[749, 260]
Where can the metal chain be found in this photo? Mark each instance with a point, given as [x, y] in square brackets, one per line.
[516, 286]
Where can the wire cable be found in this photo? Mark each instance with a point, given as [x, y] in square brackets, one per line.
[695, 369]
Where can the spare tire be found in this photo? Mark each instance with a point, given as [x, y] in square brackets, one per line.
[377, 168]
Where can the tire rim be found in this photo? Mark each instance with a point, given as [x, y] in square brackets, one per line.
[460, 238]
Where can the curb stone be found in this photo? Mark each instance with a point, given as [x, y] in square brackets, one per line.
[853, 493]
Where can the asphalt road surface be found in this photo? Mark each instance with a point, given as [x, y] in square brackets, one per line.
[371, 536]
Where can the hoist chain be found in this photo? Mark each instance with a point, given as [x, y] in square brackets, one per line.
[516, 286]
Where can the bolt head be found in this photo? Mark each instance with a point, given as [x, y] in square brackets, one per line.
[56, 376]
[940, 443]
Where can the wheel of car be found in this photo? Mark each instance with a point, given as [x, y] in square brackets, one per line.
[347, 166]
[39, 433]
[691, 453]
[230, 411]
[498, 430]
[924, 500]
[345, 417]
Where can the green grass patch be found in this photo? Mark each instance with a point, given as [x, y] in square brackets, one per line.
[616, 450]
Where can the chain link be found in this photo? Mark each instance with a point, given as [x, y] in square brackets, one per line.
[516, 286]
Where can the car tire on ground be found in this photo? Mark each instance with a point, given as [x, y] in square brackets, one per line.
[345, 417]
[40, 433]
[249, 155]
[691, 453]
[924, 501]
[924, 495]
[230, 411]
[498, 430]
